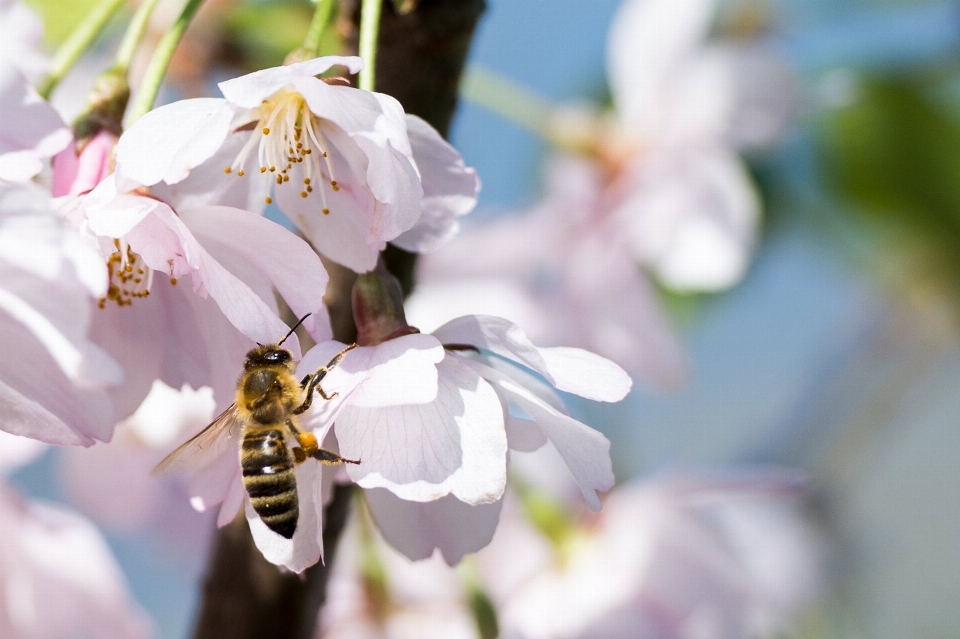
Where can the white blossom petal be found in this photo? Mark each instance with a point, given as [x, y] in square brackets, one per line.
[648, 39]
[306, 547]
[585, 451]
[286, 260]
[586, 374]
[32, 129]
[250, 90]
[447, 524]
[455, 444]
[399, 371]
[169, 141]
[449, 189]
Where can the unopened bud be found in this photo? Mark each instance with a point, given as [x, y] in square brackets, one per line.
[105, 106]
[378, 308]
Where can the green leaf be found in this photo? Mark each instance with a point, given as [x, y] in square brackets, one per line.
[894, 154]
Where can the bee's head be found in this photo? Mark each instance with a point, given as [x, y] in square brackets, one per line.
[268, 355]
[272, 354]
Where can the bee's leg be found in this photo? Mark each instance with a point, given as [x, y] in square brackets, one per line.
[308, 443]
[328, 457]
[316, 378]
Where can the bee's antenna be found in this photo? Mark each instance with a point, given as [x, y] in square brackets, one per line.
[293, 329]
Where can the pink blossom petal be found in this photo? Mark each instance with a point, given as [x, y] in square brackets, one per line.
[74, 174]
[447, 524]
[27, 418]
[165, 143]
[166, 245]
[41, 401]
[286, 260]
[306, 547]
[32, 129]
[216, 479]
[455, 444]
[449, 189]
[250, 90]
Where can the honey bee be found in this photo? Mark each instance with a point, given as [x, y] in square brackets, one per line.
[264, 415]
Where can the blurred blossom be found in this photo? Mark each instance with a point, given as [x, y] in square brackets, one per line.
[683, 556]
[58, 578]
[655, 185]
[111, 483]
[31, 130]
[376, 593]
[564, 269]
[21, 33]
[340, 161]
[54, 380]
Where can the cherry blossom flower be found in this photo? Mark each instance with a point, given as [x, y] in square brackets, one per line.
[685, 203]
[441, 450]
[725, 556]
[339, 160]
[54, 380]
[32, 129]
[57, 575]
[234, 259]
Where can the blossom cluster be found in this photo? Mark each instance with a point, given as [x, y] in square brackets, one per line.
[140, 263]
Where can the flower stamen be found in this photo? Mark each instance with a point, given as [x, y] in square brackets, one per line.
[130, 277]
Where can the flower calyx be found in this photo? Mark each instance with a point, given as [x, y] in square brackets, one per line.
[105, 107]
[378, 308]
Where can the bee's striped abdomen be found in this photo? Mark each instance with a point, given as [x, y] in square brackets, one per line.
[269, 478]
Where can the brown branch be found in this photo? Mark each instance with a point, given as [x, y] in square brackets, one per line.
[421, 54]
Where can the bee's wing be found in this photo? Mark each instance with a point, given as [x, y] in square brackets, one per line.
[204, 447]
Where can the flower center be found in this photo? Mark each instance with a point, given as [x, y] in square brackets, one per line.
[130, 278]
[288, 133]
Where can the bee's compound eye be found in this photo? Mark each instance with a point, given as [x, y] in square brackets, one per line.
[277, 356]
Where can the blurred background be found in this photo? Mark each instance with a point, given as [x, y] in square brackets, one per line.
[837, 354]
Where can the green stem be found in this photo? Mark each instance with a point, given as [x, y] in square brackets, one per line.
[157, 68]
[78, 42]
[318, 26]
[504, 97]
[369, 30]
[133, 35]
